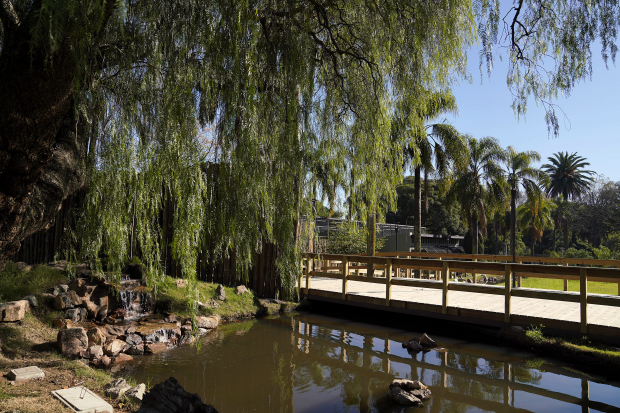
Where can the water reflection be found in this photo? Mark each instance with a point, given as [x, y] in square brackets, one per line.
[316, 364]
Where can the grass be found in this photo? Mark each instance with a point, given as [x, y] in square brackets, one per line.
[33, 342]
[15, 284]
[573, 285]
[589, 355]
[235, 306]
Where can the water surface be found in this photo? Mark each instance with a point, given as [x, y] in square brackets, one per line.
[311, 363]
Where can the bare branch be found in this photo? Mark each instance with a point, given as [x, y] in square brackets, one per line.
[8, 16]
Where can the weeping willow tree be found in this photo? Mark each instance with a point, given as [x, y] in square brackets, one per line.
[226, 107]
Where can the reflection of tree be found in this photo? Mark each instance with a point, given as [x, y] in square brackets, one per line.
[523, 374]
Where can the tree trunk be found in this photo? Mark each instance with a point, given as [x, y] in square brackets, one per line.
[417, 216]
[372, 239]
[565, 234]
[474, 238]
[554, 235]
[513, 229]
[36, 98]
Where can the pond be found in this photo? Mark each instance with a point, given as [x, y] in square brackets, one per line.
[314, 363]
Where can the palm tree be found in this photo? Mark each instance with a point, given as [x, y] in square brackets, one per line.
[432, 149]
[561, 208]
[519, 170]
[567, 176]
[470, 185]
[536, 213]
[567, 179]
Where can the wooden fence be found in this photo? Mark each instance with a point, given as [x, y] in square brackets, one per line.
[444, 269]
[263, 277]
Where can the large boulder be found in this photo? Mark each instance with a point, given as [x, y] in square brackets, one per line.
[136, 350]
[122, 358]
[133, 339]
[14, 310]
[32, 300]
[407, 384]
[210, 321]
[170, 397]
[111, 348]
[72, 342]
[95, 352]
[155, 348]
[67, 300]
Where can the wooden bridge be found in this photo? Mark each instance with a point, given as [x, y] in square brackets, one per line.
[384, 282]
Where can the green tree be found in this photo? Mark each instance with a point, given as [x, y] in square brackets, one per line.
[562, 206]
[468, 186]
[349, 238]
[115, 93]
[520, 171]
[567, 176]
[536, 214]
[431, 150]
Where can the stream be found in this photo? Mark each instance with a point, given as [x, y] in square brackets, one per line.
[314, 363]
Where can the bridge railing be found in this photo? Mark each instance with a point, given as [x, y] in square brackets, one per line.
[444, 268]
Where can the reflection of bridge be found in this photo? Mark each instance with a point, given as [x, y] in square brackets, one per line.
[337, 278]
[510, 380]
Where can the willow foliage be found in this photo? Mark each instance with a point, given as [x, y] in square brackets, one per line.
[242, 112]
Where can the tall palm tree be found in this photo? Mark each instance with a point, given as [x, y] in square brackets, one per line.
[537, 214]
[520, 171]
[432, 148]
[567, 178]
[469, 185]
[561, 209]
[567, 175]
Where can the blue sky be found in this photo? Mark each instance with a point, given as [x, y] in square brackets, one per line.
[592, 110]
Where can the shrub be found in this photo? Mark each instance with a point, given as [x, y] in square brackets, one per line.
[15, 284]
[349, 238]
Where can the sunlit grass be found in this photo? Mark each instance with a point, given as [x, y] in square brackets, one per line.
[573, 285]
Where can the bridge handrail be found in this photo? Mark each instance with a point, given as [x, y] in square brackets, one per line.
[445, 267]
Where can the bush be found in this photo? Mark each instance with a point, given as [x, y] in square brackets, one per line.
[535, 333]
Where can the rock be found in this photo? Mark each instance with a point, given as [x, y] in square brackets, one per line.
[96, 336]
[63, 301]
[516, 329]
[203, 331]
[421, 394]
[115, 389]
[135, 271]
[131, 330]
[63, 288]
[72, 342]
[136, 350]
[77, 315]
[181, 283]
[63, 323]
[133, 339]
[407, 384]
[32, 300]
[155, 348]
[426, 341]
[268, 306]
[413, 345]
[170, 397]
[122, 358]
[136, 393]
[95, 352]
[111, 330]
[21, 265]
[112, 347]
[172, 318]
[105, 361]
[401, 396]
[186, 329]
[241, 289]
[210, 321]
[221, 293]
[14, 310]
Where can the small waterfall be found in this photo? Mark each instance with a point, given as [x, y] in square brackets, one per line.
[135, 300]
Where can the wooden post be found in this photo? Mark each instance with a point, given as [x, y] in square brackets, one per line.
[519, 277]
[474, 274]
[388, 282]
[308, 282]
[583, 295]
[345, 272]
[507, 293]
[565, 280]
[408, 273]
[438, 274]
[444, 291]
[507, 379]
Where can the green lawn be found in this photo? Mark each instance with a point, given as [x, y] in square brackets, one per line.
[573, 285]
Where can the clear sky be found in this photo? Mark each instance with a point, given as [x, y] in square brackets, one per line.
[592, 110]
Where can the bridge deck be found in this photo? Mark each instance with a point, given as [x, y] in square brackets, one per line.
[470, 307]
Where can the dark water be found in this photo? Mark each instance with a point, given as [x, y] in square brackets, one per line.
[310, 363]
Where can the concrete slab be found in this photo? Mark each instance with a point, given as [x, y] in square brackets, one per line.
[82, 400]
[26, 373]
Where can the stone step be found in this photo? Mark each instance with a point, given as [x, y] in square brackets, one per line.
[26, 373]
